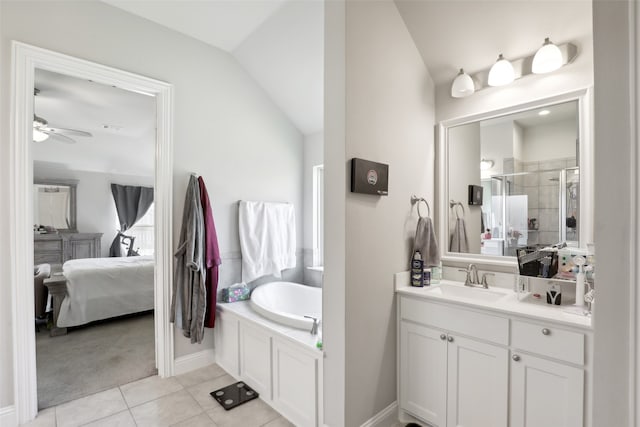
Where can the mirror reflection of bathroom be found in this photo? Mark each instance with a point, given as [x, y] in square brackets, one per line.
[527, 166]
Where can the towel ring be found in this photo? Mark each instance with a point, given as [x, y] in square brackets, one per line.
[417, 200]
[453, 204]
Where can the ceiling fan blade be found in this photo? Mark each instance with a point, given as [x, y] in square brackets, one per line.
[73, 132]
[60, 137]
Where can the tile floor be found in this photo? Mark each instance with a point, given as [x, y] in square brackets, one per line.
[182, 401]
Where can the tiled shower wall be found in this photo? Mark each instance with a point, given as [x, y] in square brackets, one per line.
[543, 191]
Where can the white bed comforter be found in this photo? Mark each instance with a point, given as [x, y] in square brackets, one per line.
[100, 288]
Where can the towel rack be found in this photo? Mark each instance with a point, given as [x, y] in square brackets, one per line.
[453, 204]
[416, 200]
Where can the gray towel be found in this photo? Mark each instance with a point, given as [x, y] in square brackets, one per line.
[426, 242]
[459, 241]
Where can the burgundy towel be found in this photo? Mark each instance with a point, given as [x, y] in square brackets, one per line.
[211, 256]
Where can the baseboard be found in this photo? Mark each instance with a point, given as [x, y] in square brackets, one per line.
[191, 362]
[385, 418]
[8, 416]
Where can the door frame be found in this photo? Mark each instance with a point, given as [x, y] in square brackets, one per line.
[25, 59]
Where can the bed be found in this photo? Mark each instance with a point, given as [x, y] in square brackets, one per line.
[101, 288]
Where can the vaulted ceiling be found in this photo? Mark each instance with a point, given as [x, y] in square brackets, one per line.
[279, 42]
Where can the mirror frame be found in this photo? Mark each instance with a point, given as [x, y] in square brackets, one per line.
[73, 204]
[585, 162]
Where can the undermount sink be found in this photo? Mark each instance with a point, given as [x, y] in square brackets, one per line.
[466, 292]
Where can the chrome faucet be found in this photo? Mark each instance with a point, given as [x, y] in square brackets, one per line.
[472, 275]
[472, 278]
[314, 327]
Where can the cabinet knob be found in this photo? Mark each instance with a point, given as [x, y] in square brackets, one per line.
[546, 331]
[443, 337]
[515, 358]
[450, 338]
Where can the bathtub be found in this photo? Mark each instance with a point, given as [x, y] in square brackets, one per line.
[287, 303]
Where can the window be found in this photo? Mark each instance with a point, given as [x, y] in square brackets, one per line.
[318, 215]
[143, 231]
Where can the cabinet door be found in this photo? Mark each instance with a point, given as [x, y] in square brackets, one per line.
[423, 373]
[295, 384]
[255, 363]
[226, 342]
[545, 393]
[478, 384]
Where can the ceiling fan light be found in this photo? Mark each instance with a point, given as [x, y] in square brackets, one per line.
[39, 136]
[462, 85]
[547, 59]
[501, 72]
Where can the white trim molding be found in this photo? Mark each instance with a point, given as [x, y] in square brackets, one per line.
[586, 163]
[385, 418]
[8, 416]
[193, 361]
[25, 59]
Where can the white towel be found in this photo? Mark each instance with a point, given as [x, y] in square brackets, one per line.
[267, 238]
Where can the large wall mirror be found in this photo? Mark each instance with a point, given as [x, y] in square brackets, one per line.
[515, 179]
[54, 204]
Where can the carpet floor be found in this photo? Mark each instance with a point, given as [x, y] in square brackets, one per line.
[94, 358]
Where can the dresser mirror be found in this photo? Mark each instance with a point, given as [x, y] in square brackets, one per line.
[516, 178]
[54, 204]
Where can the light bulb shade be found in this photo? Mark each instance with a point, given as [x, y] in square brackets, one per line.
[462, 85]
[547, 59]
[501, 73]
[486, 164]
[39, 136]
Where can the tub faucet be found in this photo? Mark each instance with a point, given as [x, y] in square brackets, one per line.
[314, 327]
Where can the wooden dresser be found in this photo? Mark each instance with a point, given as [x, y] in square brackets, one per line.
[57, 248]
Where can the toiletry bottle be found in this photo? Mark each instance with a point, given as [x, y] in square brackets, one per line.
[554, 294]
[436, 274]
[417, 266]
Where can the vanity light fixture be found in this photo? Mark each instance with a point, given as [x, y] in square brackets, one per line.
[547, 59]
[501, 72]
[486, 164]
[462, 85]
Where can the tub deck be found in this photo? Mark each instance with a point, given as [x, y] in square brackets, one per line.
[243, 309]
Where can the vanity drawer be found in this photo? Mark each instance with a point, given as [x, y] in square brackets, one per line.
[548, 341]
[452, 319]
[47, 245]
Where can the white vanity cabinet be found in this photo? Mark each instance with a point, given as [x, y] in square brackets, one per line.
[464, 366]
[546, 392]
[445, 374]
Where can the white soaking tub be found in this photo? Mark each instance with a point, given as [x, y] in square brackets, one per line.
[287, 303]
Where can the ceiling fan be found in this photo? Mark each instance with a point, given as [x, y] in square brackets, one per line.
[42, 131]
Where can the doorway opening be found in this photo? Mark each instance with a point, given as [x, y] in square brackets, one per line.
[28, 61]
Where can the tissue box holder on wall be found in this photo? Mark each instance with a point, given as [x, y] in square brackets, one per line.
[369, 177]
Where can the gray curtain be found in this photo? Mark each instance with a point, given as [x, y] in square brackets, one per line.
[132, 203]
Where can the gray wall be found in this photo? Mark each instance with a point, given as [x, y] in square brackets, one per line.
[613, 223]
[389, 119]
[96, 210]
[464, 154]
[225, 126]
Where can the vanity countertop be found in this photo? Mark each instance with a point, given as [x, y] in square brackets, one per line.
[507, 303]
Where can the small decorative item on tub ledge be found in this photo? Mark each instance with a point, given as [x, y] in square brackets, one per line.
[237, 292]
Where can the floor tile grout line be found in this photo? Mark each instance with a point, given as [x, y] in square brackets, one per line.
[102, 418]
